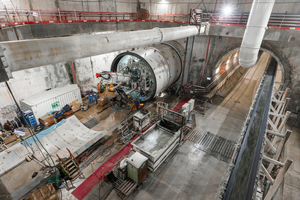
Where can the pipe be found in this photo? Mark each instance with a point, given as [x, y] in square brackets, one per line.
[27, 54]
[207, 49]
[256, 26]
[73, 71]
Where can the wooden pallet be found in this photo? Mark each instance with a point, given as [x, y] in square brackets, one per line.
[47, 192]
[124, 188]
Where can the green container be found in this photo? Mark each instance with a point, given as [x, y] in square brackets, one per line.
[137, 167]
[133, 173]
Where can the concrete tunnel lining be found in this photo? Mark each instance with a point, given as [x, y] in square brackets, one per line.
[262, 49]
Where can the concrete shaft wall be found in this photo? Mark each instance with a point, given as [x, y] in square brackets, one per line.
[39, 79]
[286, 52]
[34, 81]
[30, 82]
[80, 5]
[86, 68]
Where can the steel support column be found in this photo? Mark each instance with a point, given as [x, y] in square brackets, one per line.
[187, 59]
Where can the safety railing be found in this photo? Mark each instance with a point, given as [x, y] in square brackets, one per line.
[280, 21]
[17, 17]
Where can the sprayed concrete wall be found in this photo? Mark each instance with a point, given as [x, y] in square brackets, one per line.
[87, 68]
[286, 52]
[33, 81]
[218, 44]
[30, 82]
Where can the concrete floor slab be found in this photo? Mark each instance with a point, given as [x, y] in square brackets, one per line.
[191, 173]
[291, 186]
[10, 160]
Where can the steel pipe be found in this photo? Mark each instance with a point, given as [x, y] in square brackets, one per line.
[25, 54]
[256, 26]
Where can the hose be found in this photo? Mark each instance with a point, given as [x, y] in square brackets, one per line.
[117, 108]
[105, 73]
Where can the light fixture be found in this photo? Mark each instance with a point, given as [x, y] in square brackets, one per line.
[217, 70]
[227, 10]
[163, 1]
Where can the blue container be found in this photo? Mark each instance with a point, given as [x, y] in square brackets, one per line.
[29, 117]
[91, 98]
[95, 96]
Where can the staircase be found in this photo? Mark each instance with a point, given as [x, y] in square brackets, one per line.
[70, 166]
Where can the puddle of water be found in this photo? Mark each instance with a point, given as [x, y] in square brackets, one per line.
[154, 140]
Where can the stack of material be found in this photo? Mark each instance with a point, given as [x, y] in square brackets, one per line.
[103, 101]
[72, 134]
[75, 105]
[45, 193]
[47, 120]
[12, 158]
[8, 137]
[52, 100]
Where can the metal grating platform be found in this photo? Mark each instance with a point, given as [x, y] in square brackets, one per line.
[196, 136]
[214, 145]
[91, 123]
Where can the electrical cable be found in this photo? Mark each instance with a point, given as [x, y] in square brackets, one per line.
[19, 109]
[105, 73]
[117, 108]
[199, 4]
[30, 131]
[12, 102]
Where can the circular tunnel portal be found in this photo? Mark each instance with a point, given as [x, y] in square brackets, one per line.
[229, 63]
[154, 69]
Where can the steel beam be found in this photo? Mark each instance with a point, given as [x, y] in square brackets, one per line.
[270, 160]
[275, 133]
[279, 149]
[278, 179]
[273, 149]
[264, 170]
[187, 59]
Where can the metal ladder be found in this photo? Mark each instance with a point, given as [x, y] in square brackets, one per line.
[70, 166]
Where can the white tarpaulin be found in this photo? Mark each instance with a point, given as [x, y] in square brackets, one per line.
[72, 135]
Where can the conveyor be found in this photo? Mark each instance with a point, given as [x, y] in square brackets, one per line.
[242, 179]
